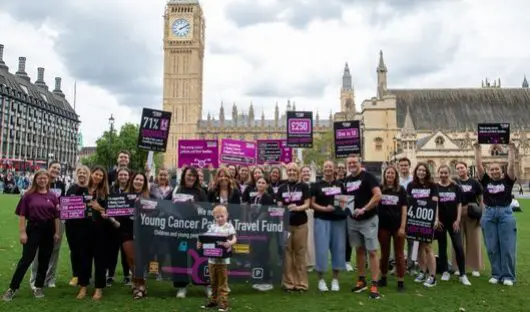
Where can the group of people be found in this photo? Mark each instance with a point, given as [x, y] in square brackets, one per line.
[376, 218]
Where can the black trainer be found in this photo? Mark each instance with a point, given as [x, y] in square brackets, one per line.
[360, 286]
[382, 282]
[374, 293]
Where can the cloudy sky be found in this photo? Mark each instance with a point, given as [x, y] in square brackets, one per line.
[265, 51]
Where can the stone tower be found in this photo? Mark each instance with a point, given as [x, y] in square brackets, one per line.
[347, 102]
[183, 71]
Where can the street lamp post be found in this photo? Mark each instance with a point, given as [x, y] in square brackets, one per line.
[111, 124]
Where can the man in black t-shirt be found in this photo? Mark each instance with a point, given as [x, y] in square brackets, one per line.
[363, 222]
[124, 158]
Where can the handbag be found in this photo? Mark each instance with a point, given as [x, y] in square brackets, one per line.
[474, 211]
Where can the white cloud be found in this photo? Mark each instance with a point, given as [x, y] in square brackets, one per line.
[449, 43]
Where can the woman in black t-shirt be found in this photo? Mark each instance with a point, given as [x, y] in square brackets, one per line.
[258, 205]
[330, 221]
[295, 197]
[392, 212]
[498, 224]
[275, 178]
[251, 189]
[469, 221]
[450, 210]
[423, 194]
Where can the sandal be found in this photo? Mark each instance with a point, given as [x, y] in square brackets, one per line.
[139, 293]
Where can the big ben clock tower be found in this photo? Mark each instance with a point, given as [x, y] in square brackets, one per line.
[183, 71]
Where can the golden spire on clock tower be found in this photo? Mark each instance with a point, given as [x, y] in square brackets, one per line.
[183, 72]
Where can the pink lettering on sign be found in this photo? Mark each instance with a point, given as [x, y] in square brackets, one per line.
[351, 133]
[300, 126]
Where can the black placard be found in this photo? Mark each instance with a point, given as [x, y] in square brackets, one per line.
[421, 216]
[300, 129]
[493, 133]
[154, 130]
[119, 205]
[347, 135]
[212, 248]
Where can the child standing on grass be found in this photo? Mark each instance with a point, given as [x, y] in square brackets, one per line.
[218, 267]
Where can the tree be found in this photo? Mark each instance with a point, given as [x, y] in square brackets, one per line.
[323, 149]
[109, 145]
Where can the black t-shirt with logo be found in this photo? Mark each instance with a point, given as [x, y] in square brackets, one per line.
[421, 191]
[294, 193]
[497, 193]
[471, 189]
[324, 193]
[390, 208]
[275, 186]
[361, 187]
[251, 191]
[448, 199]
[58, 188]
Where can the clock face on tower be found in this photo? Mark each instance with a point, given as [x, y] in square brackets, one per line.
[181, 27]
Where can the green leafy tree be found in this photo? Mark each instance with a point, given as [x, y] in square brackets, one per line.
[109, 145]
[323, 149]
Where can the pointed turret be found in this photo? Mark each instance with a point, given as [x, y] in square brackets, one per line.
[346, 78]
[288, 105]
[276, 115]
[234, 114]
[525, 82]
[222, 114]
[294, 106]
[317, 119]
[262, 118]
[408, 125]
[251, 115]
[2, 63]
[381, 76]
[209, 120]
[330, 118]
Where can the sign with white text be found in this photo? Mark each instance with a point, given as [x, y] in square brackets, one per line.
[154, 130]
[300, 129]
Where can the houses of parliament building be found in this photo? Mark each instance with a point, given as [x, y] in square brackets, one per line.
[436, 126]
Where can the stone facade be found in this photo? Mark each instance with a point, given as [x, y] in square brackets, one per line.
[36, 124]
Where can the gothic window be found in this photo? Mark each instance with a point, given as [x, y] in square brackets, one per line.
[496, 150]
[432, 166]
[378, 142]
[439, 141]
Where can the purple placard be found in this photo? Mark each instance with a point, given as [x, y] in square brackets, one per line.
[421, 218]
[237, 152]
[347, 138]
[72, 207]
[198, 153]
[300, 129]
[213, 252]
[274, 152]
[493, 133]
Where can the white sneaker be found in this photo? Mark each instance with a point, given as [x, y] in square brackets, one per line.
[507, 283]
[493, 281]
[420, 278]
[446, 276]
[209, 292]
[32, 287]
[262, 287]
[335, 285]
[464, 280]
[430, 282]
[475, 274]
[457, 273]
[322, 286]
[349, 268]
[181, 293]
[51, 285]
[310, 269]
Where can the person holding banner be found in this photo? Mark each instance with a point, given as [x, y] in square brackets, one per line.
[39, 227]
[450, 210]
[470, 219]
[295, 196]
[189, 190]
[362, 223]
[423, 195]
[113, 233]
[225, 190]
[330, 222]
[259, 201]
[93, 235]
[392, 214]
[498, 223]
[74, 227]
[306, 177]
[139, 185]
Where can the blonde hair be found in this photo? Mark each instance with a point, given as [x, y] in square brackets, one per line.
[82, 168]
[219, 209]
[294, 166]
[449, 171]
[34, 187]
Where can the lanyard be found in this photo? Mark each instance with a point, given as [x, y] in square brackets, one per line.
[257, 199]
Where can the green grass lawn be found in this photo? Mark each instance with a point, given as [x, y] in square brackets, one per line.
[447, 296]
